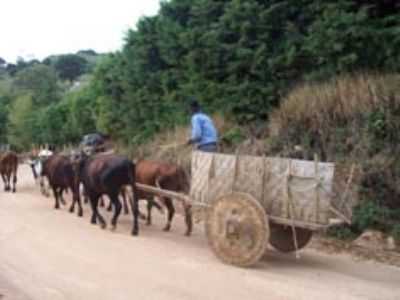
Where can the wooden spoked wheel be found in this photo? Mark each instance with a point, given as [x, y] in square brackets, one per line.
[237, 229]
[281, 237]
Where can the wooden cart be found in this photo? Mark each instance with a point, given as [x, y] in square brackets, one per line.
[252, 201]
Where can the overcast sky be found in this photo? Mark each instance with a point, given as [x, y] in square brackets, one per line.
[39, 28]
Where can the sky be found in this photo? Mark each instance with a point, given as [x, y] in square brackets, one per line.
[39, 28]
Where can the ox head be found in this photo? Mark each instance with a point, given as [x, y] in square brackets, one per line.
[36, 161]
[78, 158]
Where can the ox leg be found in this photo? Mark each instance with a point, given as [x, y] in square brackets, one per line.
[149, 207]
[7, 181]
[61, 196]
[93, 205]
[141, 215]
[125, 202]
[135, 210]
[72, 207]
[55, 193]
[80, 210]
[14, 182]
[117, 205]
[76, 199]
[95, 202]
[42, 187]
[4, 181]
[126, 208]
[171, 212]
[188, 218]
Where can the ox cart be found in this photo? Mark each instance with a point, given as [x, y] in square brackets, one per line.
[252, 201]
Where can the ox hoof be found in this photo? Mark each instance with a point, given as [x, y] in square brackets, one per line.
[135, 232]
[103, 226]
[71, 210]
[167, 228]
[113, 228]
[80, 214]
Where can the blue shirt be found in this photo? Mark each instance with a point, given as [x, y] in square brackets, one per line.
[203, 129]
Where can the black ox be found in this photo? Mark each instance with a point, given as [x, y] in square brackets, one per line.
[107, 174]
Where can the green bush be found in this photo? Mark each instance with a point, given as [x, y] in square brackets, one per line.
[369, 215]
[233, 136]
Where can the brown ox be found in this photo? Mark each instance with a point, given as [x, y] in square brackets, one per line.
[8, 168]
[60, 174]
[166, 176]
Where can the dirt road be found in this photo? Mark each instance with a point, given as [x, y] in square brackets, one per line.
[50, 255]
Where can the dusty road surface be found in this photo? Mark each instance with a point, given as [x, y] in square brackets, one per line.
[50, 255]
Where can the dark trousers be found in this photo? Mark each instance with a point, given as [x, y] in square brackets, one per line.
[212, 147]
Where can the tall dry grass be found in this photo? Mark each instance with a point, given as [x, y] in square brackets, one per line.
[341, 99]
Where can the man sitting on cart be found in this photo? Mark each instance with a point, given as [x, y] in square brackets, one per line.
[204, 134]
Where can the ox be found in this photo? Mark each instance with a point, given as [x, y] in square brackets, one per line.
[169, 177]
[107, 174]
[36, 164]
[8, 169]
[60, 174]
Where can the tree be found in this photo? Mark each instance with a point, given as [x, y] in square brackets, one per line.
[70, 66]
[20, 123]
[11, 69]
[4, 104]
[40, 81]
[87, 52]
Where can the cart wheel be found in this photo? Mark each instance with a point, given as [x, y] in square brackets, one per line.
[237, 229]
[281, 237]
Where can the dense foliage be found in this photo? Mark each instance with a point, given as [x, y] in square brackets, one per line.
[238, 57]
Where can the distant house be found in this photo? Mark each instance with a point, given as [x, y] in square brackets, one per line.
[75, 86]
